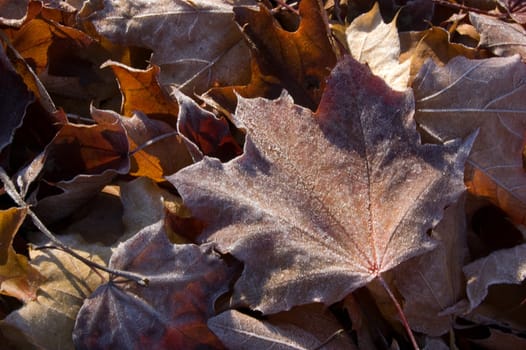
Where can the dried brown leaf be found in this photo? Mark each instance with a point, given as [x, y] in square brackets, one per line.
[306, 327]
[79, 162]
[434, 281]
[196, 43]
[376, 43]
[209, 134]
[502, 266]
[333, 199]
[298, 61]
[141, 91]
[501, 38]
[10, 221]
[87, 150]
[17, 277]
[432, 43]
[156, 148]
[171, 311]
[48, 321]
[465, 95]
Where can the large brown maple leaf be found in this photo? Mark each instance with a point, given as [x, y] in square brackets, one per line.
[320, 204]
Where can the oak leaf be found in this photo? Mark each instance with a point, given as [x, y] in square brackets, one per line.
[494, 168]
[184, 282]
[321, 204]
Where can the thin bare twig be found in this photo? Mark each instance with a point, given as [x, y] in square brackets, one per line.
[283, 4]
[456, 6]
[13, 193]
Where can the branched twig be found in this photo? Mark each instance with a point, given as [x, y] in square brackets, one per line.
[152, 141]
[469, 9]
[283, 4]
[13, 193]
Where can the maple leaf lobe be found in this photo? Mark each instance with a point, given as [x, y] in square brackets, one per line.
[320, 204]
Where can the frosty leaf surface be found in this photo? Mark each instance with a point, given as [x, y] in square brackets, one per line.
[320, 204]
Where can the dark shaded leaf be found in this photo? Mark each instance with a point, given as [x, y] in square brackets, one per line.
[171, 312]
[15, 97]
[210, 134]
[306, 327]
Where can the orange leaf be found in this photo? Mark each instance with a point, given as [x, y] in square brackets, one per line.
[298, 61]
[141, 91]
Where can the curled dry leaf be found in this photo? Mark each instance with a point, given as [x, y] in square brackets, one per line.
[433, 43]
[48, 320]
[196, 43]
[87, 150]
[211, 135]
[141, 91]
[502, 266]
[34, 40]
[15, 98]
[306, 327]
[501, 38]
[171, 312]
[320, 204]
[496, 106]
[10, 221]
[298, 61]
[376, 43]
[156, 149]
[17, 277]
[80, 161]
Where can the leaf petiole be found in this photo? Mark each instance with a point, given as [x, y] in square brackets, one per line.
[400, 312]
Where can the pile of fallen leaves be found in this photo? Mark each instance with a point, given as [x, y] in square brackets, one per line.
[247, 174]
